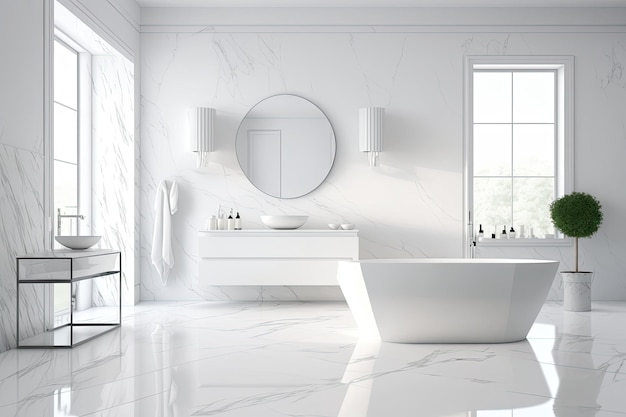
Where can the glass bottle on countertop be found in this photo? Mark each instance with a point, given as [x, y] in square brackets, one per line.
[230, 222]
[221, 221]
[238, 222]
[213, 223]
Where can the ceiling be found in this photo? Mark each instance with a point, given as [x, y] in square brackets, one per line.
[382, 3]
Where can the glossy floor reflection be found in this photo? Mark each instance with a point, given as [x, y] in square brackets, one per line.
[305, 359]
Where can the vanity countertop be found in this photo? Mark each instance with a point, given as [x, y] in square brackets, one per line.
[284, 232]
[67, 254]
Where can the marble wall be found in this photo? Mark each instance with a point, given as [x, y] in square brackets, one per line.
[412, 206]
[21, 149]
[114, 162]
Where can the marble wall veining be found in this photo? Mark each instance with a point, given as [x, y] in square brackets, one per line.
[21, 231]
[412, 206]
[113, 157]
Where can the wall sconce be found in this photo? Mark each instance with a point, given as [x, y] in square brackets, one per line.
[371, 132]
[202, 125]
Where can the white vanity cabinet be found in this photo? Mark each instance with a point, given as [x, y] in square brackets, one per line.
[274, 257]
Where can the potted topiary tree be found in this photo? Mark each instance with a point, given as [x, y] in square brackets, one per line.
[576, 215]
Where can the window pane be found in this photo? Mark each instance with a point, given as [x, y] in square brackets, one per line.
[492, 97]
[65, 134]
[65, 75]
[492, 203]
[65, 194]
[492, 150]
[531, 202]
[533, 97]
[533, 150]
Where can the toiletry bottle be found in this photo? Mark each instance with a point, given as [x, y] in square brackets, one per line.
[481, 233]
[503, 233]
[221, 221]
[522, 231]
[512, 233]
[230, 222]
[213, 223]
[237, 222]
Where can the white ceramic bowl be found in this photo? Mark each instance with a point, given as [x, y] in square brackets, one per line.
[284, 221]
[77, 242]
[347, 226]
[334, 226]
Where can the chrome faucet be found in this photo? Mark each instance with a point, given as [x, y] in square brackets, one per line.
[471, 237]
[62, 216]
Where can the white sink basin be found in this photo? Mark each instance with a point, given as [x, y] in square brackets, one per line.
[78, 242]
[284, 221]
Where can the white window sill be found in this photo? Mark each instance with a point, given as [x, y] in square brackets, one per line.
[488, 242]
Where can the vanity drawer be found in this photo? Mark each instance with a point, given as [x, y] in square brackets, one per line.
[66, 268]
[268, 272]
[336, 247]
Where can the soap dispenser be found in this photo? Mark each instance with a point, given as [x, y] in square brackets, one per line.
[230, 222]
[238, 222]
[481, 233]
[512, 233]
[503, 233]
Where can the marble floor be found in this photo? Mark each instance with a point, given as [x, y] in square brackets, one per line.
[305, 359]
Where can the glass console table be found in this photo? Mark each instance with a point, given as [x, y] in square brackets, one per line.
[67, 297]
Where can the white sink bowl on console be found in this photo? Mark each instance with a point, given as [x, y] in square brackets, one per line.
[284, 221]
[78, 242]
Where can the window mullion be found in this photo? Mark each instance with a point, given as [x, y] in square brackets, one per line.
[512, 144]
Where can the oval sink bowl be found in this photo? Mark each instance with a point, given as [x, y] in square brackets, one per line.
[78, 242]
[284, 221]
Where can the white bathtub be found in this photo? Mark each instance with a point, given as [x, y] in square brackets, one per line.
[446, 300]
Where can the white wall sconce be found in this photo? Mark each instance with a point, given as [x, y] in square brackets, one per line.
[202, 126]
[371, 132]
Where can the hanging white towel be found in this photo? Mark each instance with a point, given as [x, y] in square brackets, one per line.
[174, 197]
[165, 204]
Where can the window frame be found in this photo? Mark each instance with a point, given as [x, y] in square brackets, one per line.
[84, 145]
[84, 163]
[564, 149]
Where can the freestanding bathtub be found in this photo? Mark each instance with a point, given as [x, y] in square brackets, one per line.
[446, 300]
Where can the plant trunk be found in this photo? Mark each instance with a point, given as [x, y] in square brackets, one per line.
[576, 254]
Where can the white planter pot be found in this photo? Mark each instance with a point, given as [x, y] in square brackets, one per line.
[577, 290]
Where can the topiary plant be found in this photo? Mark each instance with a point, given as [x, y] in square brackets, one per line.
[576, 215]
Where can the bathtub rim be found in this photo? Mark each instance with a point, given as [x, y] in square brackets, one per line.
[479, 261]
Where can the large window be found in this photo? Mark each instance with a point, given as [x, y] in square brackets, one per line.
[71, 141]
[71, 158]
[65, 137]
[517, 138]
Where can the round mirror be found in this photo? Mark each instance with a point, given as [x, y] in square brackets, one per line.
[285, 146]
